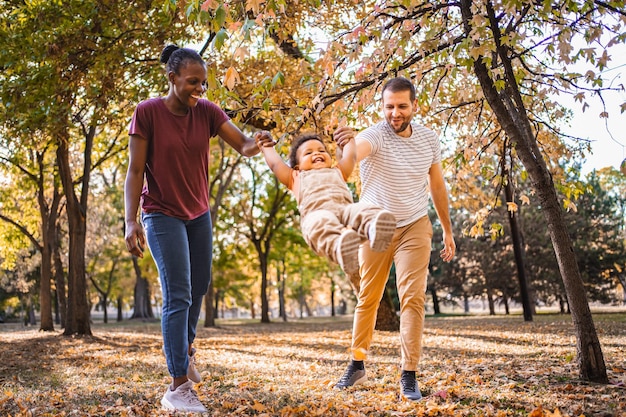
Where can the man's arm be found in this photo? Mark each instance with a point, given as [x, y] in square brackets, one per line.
[439, 194]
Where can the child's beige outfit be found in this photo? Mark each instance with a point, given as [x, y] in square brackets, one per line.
[327, 209]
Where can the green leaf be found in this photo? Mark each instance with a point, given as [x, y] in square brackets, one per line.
[220, 16]
[220, 38]
[279, 78]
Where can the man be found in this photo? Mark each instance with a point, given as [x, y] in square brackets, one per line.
[400, 164]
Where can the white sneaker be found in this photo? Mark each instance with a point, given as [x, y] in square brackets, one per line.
[348, 251]
[183, 398]
[192, 372]
[381, 231]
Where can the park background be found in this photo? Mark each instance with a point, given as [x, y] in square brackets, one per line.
[69, 88]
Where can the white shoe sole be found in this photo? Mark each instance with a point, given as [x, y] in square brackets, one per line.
[382, 230]
[348, 252]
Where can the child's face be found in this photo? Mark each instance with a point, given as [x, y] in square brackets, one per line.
[312, 154]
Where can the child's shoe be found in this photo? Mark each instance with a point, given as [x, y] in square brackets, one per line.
[381, 231]
[348, 251]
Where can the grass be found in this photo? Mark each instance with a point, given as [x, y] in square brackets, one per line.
[471, 366]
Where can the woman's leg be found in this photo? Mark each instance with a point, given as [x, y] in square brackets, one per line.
[200, 251]
[168, 243]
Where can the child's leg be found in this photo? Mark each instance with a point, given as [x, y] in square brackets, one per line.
[321, 230]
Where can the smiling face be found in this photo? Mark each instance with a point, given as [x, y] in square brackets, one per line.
[189, 85]
[312, 154]
[399, 110]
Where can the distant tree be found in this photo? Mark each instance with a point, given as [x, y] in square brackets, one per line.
[75, 94]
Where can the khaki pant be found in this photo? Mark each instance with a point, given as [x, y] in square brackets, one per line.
[410, 250]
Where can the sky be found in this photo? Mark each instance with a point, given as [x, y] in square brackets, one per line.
[607, 136]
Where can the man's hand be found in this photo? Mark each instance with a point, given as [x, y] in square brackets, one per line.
[343, 135]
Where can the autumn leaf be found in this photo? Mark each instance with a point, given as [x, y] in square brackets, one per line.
[254, 5]
[230, 78]
[209, 4]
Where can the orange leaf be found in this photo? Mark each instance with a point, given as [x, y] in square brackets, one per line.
[231, 77]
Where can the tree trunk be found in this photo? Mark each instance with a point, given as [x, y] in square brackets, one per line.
[77, 318]
[216, 296]
[49, 217]
[143, 305]
[209, 313]
[120, 311]
[280, 276]
[105, 302]
[518, 250]
[45, 287]
[510, 111]
[492, 307]
[59, 277]
[265, 317]
[433, 293]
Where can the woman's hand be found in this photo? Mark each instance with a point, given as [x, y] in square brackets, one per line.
[264, 139]
[135, 238]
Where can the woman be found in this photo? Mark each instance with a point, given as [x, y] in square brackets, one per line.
[169, 149]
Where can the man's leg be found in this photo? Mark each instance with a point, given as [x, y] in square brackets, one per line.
[374, 271]
[412, 259]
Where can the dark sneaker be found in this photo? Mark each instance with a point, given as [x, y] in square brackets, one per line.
[184, 398]
[351, 377]
[409, 386]
[381, 231]
[192, 371]
[348, 251]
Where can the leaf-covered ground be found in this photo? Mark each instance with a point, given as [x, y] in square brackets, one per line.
[471, 366]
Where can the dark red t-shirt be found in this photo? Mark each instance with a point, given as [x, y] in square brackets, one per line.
[177, 168]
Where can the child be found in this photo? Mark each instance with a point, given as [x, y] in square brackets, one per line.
[331, 223]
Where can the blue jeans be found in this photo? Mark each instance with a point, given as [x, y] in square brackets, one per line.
[182, 252]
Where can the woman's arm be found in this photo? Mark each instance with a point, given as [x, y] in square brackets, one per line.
[243, 144]
[134, 235]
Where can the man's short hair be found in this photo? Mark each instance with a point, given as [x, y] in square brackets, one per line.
[398, 84]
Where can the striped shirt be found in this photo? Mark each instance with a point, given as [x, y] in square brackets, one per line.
[395, 175]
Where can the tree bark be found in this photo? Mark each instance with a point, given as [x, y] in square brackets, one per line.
[49, 219]
[142, 308]
[210, 314]
[433, 292]
[492, 307]
[518, 250]
[280, 277]
[511, 113]
[59, 277]
[120, 311]
[77, 318]
[263, 255]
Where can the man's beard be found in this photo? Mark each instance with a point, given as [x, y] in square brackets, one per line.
[402, 127]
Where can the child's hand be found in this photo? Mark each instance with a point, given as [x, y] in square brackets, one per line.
[343, 135]
[264, 139]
